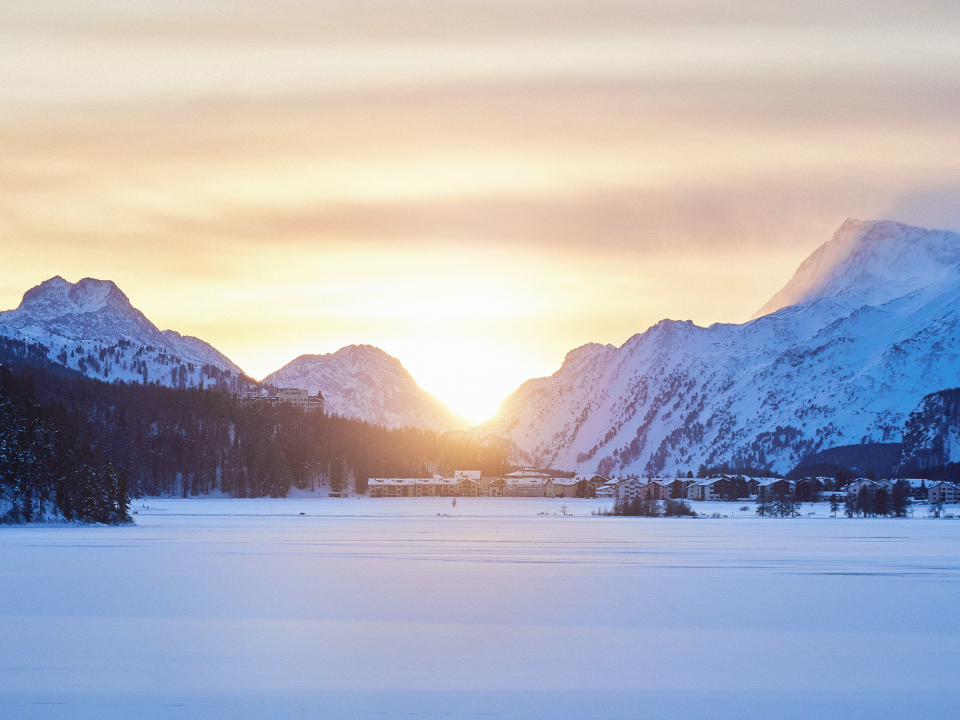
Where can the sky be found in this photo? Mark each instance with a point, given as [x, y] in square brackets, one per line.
[475, 187]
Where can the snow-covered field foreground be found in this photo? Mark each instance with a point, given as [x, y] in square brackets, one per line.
[367, 608]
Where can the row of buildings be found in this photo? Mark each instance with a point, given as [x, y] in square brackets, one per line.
[529, 482]
[721, 487]
[526, 482]
[292, 397]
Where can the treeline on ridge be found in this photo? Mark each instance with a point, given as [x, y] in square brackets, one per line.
[171, 441]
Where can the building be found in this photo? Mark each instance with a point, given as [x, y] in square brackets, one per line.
[656, 489]
[713, 488]
[569, 488]
[525, 482]
[462, 484]
[608, 489]
[393, 487]
[917, 486]
[943, 492]
[646, 488]
[767, 487]
[859, 484]
[467, 485]
[492, 486]
[285, 396]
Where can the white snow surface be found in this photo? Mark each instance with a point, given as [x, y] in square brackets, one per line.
[413, 607]
[96, 316]
[832, 370]
[364, 382]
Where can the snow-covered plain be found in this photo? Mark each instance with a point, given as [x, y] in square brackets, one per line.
[382, 608]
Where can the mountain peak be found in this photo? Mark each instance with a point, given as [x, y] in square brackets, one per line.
[58, 313]
[365, 382]
[57, 297]
[870, 262]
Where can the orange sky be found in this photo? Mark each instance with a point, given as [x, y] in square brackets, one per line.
[475, 187]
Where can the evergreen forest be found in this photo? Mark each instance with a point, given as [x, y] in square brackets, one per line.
[77, 448]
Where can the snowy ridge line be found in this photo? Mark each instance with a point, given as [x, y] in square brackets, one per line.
[875, 329]
[90, 326]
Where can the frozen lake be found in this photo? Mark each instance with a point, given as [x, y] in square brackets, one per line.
[366, 608]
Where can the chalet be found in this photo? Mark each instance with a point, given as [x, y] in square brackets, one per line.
[492, 486]
[859, 484]
[569, 488]
[630, 488]
[713, 488]
[767, 487]
[656, 489]
[678, 487]
[943, 492]
[917, 486]
[468, 486]
[645, 488]
[525, 482]
[608, 489]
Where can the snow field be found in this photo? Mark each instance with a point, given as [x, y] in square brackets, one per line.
[213, 608]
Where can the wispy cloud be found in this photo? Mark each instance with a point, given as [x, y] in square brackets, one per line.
[582, 168]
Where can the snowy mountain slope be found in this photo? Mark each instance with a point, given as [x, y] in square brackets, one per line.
[364, 382]
[931, 436]
[829, 371]
[92, 327]
[868, 263]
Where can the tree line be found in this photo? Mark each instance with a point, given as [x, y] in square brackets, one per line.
[193, 441]
[48, 466]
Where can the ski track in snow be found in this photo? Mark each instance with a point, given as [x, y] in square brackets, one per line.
[217, 608]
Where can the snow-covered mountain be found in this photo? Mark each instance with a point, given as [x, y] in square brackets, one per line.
[92, 327]
[869, 263]
[866, 328]
[362, 381]
[931, 436]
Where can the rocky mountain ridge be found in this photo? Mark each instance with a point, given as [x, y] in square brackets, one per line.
[91, 326]
[873, 330]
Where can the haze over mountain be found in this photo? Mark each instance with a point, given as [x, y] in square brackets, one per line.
[866, 328]
[92, 327]
[364, 382]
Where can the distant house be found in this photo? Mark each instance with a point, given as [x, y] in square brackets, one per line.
[492, 486]
[678, 487]
[656, 489]
[767, 487]
[525, 482]
[918, 486]
[607, 489]
[569, 487]
[859, 484]
[467, 485]
[645, 488]
[630, 488]
[943, 492]
[712, 488]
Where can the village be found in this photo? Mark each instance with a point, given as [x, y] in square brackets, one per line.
[530, 482]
